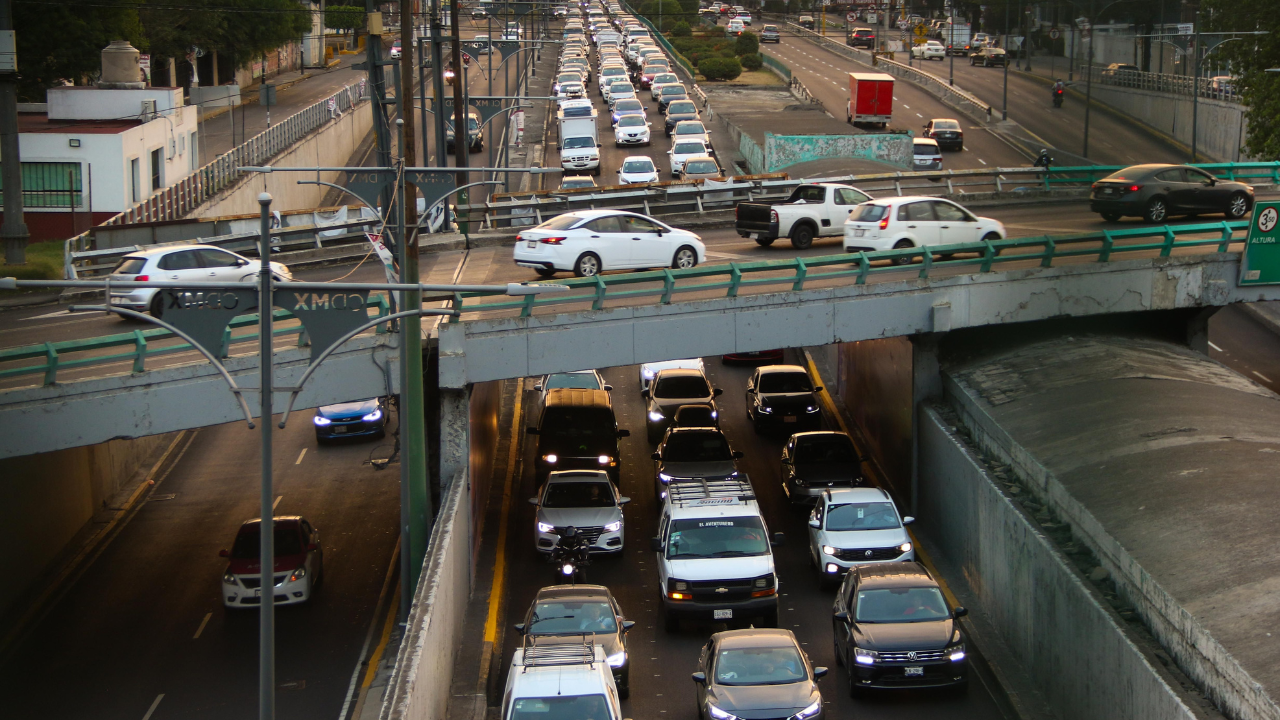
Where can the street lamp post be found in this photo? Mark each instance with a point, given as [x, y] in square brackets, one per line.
[266, 510]
[1004, 107]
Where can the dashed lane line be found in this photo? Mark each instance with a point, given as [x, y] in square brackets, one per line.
[155, 704]
[1215, 347]
[300, 456]
[200, 629]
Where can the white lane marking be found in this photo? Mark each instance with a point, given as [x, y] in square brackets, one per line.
[919, 115]
[1264, 377]
[200, 629]
[984, 162]
[1215, 347]
[906, 106]
[153, 707]
[277, 502]
[723, 255]
[299, 460]
[59, 313]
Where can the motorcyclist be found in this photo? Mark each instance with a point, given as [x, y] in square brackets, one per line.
[570, 547]
[1059, 90]
[1044, 160]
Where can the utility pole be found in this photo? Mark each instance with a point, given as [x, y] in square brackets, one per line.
[378, 92]
[14, 229]
[1088, 80]
[437, 84]
[1195, 87]
[461, 133]
[1004, 109]
[266, 511]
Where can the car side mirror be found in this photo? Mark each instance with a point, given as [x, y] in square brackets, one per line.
[628, 624]
[624, 433]
[819, 673]
[533, 501]
[599, 145]
[700, 677]
[778, 539]
[519, 628]
[842, 616]
[537, 387]
[223, 553]
[818, 389]
[655, 544]
[908, 520]
[531, 430]
[738, 455]
[717, 392]
[242, 262]
[608, 388]
[624, 500]
[960, 611]
[656, 456]
[814, 522]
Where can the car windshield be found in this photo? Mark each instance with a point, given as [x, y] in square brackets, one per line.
[900, 605]
[760, 666]
[560, 707]
[569, 77]
[559, 222]
[248, 542]
[130, 266]
[863, 516]
[611, 71]
[577, 380]
[718, 537]
[869, 212]
[690, 128]
[592, 494]
[628, 106]
[619, 87]
[631, 121]
[574, 143]
[682, 386]
[672, 90]
[665, 78]
[640, 165]
[824, 449]
[696, 447]
[682, 108]
[689, 148]
[701, 167]
[578, 424]
[785, 382]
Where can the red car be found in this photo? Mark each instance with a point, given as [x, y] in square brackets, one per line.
[298, 565]
[646, 75]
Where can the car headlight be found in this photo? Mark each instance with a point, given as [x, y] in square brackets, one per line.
[956, 652]
[827, 549]
[228, 578]
[550, 458]
[715, 414]
[665, 478]
[617, 659]
[613, 526]
[373, 416]
[811, 409]
[766, 409]
[655, 416]
[905, 547]
[545, 528]
[864, 657]
[809, 711]
[719, 714]
[298, 574]
[321, 421]
[648, 373]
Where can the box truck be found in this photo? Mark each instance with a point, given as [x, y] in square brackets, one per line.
[870, 98]
[579, 136]
[956, 37]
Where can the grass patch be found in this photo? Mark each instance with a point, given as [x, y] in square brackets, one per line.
[753, 77]
[44, 262]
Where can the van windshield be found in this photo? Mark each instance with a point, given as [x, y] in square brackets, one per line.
[717, 538]
[560, 707]
[682, 386]
[574, 143]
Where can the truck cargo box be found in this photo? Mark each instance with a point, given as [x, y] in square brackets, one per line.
[870, 98]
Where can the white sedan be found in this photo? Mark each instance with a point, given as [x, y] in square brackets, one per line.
[682, 150]
[631, 130]
[637, 169]
[588, 242]
[915, 221]
[932, 50]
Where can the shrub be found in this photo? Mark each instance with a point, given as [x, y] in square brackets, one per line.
[752, 62]
[681, 30]
[775, 6]
[748, 44]
[720, 68]
[715, 31]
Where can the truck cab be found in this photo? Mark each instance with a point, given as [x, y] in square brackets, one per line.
[813, 210]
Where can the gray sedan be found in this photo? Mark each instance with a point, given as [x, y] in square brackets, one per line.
[756, 674]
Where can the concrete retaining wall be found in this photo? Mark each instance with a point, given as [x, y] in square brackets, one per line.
[1221, 129]
[783, 151]
[332, 145]
[51, 497]
[874, 380]
[1065, 640]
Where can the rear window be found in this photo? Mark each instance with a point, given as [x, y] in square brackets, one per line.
[685, 386]
[785, 382]
[869, 213]
[560, 222]
[130, 266]
[578, 423]
[249, 542]
[930, 150]
[946, 125]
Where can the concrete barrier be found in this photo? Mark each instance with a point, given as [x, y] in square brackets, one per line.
[1220, 130]
[1069, 644]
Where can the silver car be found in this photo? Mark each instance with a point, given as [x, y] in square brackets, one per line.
[584, 499]
[182, 263]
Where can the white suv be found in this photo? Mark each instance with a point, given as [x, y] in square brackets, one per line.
[856, 526]
[583, 499]
[182, 263]
[915, 221]
[715, 555]
[550, 678]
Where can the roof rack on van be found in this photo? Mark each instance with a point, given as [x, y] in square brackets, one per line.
[560, 653]
[726, 491]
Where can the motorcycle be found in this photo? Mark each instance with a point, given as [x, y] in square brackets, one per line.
[1057, 98]
[570, 557]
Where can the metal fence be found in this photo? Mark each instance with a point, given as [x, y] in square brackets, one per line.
[1163, 83]
[777, 66]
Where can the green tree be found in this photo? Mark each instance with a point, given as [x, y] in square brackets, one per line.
[681, 29]
[59, 43]
[344, 17]
[669, 11]
[748, 44]
[752, 62]
[1250, 57]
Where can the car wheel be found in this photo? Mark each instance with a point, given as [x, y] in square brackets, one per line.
[685, 258]
[546, 272]
[587, 265]
[902, 245]
[1237, 206]
[764, 241]
[802, 237]
[670, 622]
[157, 305]
[1111, 216]
[1157, 211]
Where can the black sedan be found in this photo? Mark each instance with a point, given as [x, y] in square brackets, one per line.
[363, 418]
[757, 674]
[782, 397]
[815, 461]
[1155, 192]
[570, 611]
[678, 110]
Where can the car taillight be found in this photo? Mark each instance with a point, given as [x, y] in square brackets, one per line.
[884, 223]
[1135, 188]
[142, 278]
[551, 240]
[773, 216]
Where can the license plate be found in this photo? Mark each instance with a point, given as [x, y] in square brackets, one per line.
[753, 236]
[914, 671]
[117, 301]
[531, 244]
[859, 232]
[722, 614]
[339, 429]
[789, 418]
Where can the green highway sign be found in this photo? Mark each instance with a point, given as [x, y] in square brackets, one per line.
[1260, 263]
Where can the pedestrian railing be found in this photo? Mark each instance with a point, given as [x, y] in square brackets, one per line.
[796, 274]
[1164, 83]
[138, 346]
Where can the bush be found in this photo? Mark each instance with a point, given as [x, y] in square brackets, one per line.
[720, 68]
[748, 44]
[715, 31]
[681, 30]
[776, 6]
[752, 62]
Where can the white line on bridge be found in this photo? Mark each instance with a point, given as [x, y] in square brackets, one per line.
[299, 460]
[984, 162]
[277, 502]
[153, 707]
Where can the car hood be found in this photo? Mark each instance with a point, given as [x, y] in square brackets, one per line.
[579, 517]
[787, 400]
[854, 539]
[251, 566]
[361, 407]
[932, 635]
[824, 473]
[713, 469]
[783, 700]
[720, 568]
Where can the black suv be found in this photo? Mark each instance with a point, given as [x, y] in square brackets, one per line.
[671, 390]
[781, 397]
[577, 431]
[693, 453]
[893, 629]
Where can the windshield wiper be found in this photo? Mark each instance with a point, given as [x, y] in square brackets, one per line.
[537, 619]
[732, 553]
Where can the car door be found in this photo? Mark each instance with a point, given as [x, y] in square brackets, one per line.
[1172, 184]
[920, 222]
[183, 265]
[843, 202]
[1207, 193]
[607, 237]
[222, 265]
[650, 247]
[954, 224]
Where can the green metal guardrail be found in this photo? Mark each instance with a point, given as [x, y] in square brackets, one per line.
[777, 65]
[736, 276]
[139, 340]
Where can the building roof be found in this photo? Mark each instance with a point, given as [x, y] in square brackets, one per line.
[40, 123]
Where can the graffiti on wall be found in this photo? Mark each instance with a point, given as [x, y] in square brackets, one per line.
[781, 151]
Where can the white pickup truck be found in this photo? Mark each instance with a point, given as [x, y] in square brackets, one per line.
[813, 210]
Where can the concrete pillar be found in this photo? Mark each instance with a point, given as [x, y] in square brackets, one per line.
[1198, 330]
[926, 385]
[455, 435]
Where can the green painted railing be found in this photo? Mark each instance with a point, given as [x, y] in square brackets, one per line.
[777, 65]
[663, 285]
[57, 356]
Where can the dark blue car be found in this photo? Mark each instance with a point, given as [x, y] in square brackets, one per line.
[627, 107]
[362, 418]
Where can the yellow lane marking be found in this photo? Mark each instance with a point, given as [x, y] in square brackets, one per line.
[387, 627]
[500, 562]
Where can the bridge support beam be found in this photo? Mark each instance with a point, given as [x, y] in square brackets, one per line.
[455, 434]
[1198, 329]
[926, 385]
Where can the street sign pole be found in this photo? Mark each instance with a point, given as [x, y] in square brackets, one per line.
[266, 521]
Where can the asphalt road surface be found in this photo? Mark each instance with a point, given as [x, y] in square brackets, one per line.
[660, 662]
